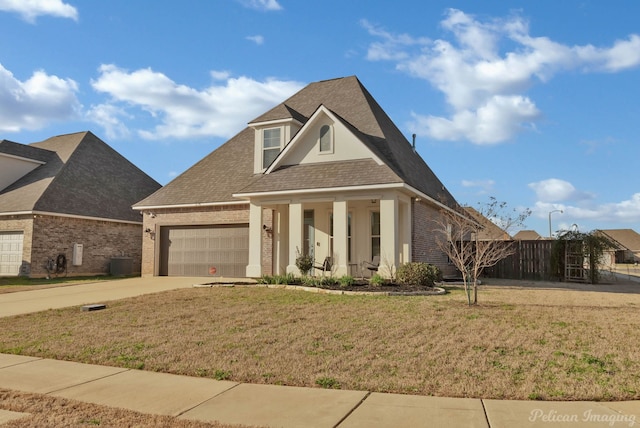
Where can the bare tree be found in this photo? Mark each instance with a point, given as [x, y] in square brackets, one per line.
[477, 239]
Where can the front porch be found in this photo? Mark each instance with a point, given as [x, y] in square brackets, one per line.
[349, 228]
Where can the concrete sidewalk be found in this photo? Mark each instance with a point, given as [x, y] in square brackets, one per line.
[263, 405]
[282, 406]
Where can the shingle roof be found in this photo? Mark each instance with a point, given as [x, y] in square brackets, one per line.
[214, 178]
[490, 231]
[627, 238]
[24, 151]
[82, 176]
[229, 169]
[324, 175]
[527, 235]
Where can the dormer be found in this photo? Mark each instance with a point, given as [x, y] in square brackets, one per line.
[13, 167]
[324, 137]
[273, 130]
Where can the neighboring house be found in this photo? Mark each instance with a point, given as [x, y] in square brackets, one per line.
[325, 173]
[69, 199]
[627, 245]
[527, 235]
[490, 231]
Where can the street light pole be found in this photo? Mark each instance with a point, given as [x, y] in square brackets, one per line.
[551, 212]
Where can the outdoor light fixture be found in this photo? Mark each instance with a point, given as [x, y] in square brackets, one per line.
[551, 212]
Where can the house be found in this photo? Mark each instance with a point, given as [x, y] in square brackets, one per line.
[627, 245]
[527, 235]
[68, 200]
[488, 231]
[326, 173]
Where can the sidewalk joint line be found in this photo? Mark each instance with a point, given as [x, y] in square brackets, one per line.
[484, 410]
[209, 399]
[353, 409]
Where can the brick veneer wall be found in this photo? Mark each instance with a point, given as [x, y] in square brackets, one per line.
[24, 224]
[425, 248]
[101, 241]
[219, 214]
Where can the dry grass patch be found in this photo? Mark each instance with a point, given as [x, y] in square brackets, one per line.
[517, 344]
[46, 411]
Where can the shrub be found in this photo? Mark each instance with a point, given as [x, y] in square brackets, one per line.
[417, 273]
[327, 281]
[310, 281]
[376, 280]
[346, 281]
[304, 263]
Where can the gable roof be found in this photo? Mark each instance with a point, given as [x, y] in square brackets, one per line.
[490, 231]
[229, 169]
[81, 176]
[527, 235]
[627, 238]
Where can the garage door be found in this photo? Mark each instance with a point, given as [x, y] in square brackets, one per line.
[193, 251]
[10, 253]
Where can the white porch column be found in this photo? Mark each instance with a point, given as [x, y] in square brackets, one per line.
[254, 268]
[340, 239]
[388, 236]
[281, 239]
[295, 236]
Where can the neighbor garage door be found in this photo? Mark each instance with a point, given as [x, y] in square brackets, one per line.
[10, 253]
[193, 251]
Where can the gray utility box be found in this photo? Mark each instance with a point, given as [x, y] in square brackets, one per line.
[121, 266]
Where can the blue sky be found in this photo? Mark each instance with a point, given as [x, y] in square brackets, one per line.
[534, 103]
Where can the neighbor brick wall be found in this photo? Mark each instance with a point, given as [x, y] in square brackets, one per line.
[101, 241]
[424, 244]
[24, 224]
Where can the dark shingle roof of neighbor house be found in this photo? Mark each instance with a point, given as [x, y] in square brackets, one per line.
[229, 169]
[627, 238]
[82, 176]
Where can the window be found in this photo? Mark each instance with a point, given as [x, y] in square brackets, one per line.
[309, 234]
[375, 234]
[270, 146]
[326, 145]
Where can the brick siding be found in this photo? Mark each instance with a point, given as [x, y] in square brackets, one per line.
[45, 237]
[425, 248]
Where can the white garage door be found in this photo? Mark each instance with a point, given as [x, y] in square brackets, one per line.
[10, 253]
[193, 251]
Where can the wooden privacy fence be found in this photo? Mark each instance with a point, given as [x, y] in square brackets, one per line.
[531, 260]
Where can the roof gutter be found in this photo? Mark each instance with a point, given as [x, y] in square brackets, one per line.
[83, 217]
[319, 190]
[195, 205]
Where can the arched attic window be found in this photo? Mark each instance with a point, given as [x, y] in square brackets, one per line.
[326, 139]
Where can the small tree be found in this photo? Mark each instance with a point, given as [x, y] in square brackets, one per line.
[476, 239]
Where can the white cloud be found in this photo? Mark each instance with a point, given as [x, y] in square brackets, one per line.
[257, 39]
[264, 5]
[484, 85]
[625, 212]
[484, 185]
[31, 9]
[492, 123]
[556, 190]
[37, 101]
[219, 110]
[108, 116]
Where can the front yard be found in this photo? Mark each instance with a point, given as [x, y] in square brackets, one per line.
[519, 343]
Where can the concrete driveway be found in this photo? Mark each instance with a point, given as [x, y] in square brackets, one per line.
[23, 302]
